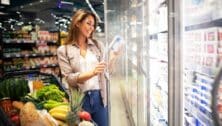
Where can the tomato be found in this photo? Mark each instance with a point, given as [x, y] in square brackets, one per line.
[84, 115]
[15, 119]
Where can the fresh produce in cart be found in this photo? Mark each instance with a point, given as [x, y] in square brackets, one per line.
[76, 98]
[26, 100]
[39, 100]
[76, 116]
[86, 123]
[84, 116]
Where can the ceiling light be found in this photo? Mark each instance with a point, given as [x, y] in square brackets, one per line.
[41, 1]
[20, 23]
[66, 2]
[2, 13]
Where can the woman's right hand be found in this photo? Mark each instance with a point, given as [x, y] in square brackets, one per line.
[99, 68]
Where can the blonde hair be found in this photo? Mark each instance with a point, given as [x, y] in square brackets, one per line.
[79, 16]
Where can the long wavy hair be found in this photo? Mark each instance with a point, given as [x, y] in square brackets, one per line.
[79, 16]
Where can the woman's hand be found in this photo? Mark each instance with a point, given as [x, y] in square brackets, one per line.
[100, 67]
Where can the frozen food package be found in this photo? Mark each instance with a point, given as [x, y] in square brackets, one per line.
[115, 45]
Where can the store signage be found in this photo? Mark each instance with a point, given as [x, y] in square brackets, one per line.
[5, 2]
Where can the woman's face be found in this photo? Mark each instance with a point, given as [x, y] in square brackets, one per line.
[87, 26]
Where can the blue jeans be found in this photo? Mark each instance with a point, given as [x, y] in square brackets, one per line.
[93, 104]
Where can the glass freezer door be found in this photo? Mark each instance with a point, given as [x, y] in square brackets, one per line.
[201, 52]
[127, 20]
[142, 71]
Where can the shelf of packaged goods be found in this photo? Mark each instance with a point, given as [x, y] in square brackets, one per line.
[202, 117]
[18, 41]
[160, 113]
[189, 120]
[205, 107]
[49, 66]
[200, 72]
[8, 56]
[34, 67]
[195, 111]
[213, 23]
[22, 41]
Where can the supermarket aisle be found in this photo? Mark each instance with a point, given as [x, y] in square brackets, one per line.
[118, 112]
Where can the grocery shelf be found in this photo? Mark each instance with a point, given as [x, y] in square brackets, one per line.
[22, 41]
[8, 56]
[213, 23]
[34, 67]
[199, 72]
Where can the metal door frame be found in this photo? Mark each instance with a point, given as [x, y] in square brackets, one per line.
[175, 88]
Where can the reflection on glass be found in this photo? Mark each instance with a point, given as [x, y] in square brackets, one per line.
[126, 19]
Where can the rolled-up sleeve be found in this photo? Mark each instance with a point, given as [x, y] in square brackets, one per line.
[66, 68]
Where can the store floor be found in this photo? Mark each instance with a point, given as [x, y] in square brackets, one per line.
[118, 112]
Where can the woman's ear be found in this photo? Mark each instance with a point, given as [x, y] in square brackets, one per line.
[78, 24]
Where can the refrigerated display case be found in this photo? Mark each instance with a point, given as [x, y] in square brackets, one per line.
[201, 52]
[179, 70]
[128, 20]
[143, 68]
[158, 63]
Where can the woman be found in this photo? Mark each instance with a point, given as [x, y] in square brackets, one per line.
[80, 63]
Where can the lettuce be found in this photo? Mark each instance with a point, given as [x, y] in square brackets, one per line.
[50, 92]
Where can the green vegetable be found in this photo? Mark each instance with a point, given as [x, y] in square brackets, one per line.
[51, 104]
[38, 104]
[50, 92]
[13, 88]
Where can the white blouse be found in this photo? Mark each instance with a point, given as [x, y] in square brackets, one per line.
[88, 63]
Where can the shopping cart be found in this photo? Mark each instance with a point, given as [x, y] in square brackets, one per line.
[47, 79]
[30, 74]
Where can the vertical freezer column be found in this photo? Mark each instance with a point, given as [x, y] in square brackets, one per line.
[158, 62]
